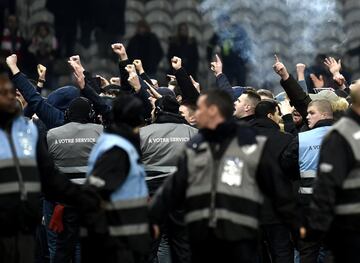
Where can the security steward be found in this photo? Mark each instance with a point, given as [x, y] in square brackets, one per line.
[336, 199]
[221, 177]
[70, 146]
[302, 154]
[161, 143]
[26, 168]
[119, 232]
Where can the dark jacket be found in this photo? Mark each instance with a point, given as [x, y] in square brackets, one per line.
[189, 93]
[50, 111]
[298, 97]
[277, 143]
[269, 177]
[223, 83]
[335, 151]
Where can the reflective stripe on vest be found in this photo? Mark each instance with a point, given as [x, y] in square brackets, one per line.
[308, 174]
[222, 214]
[350, 131]
[126, 204]
[73, 170]
[235, 178]
[131, 194]
[347, 209]
[8, 188]
[306, 190]
[162, 169]
[23, 162]
[224, 189]
[128, 230]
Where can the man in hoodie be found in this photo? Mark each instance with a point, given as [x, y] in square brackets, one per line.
[161, 143]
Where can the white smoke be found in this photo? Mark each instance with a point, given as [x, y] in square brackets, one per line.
[295, 30]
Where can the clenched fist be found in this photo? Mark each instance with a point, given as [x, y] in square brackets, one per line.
[139, 66]
[176, 63]
[120, 50]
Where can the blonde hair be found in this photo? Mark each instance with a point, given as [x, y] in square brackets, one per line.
[340, 105]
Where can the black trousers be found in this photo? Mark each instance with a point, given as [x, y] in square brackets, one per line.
[345, 246]
[281, 248]
[213, 250]
[17, 249]
[105, 249]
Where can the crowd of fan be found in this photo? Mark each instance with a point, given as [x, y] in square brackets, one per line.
[283, 115]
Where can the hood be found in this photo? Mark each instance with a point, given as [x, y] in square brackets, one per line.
[62, 97]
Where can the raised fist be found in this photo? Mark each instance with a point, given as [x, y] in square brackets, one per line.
[120, 50]
[130, 68]
[138, 65]
[11, 60]
[176, 63]
[41, 71]
[300, 67]
[134, 81]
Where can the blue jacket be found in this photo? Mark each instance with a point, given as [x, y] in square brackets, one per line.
[50, 111]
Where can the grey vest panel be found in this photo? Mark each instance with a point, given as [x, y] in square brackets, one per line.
[235, 175]
[162, 143]
[350, 131]
[70, 145]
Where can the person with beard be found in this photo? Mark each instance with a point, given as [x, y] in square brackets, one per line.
[161, 144]
[221, 176]
[185, 47]
[119, 231]
[26, 168]
[145, 45]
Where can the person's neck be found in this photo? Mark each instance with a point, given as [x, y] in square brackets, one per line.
[6, 119]
[215, 123]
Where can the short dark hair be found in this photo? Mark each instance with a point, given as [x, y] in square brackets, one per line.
[252, 96]
[222, 100]
[265, 107]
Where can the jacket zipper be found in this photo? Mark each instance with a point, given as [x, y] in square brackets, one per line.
[23, 193]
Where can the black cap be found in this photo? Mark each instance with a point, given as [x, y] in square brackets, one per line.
[168, 104]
